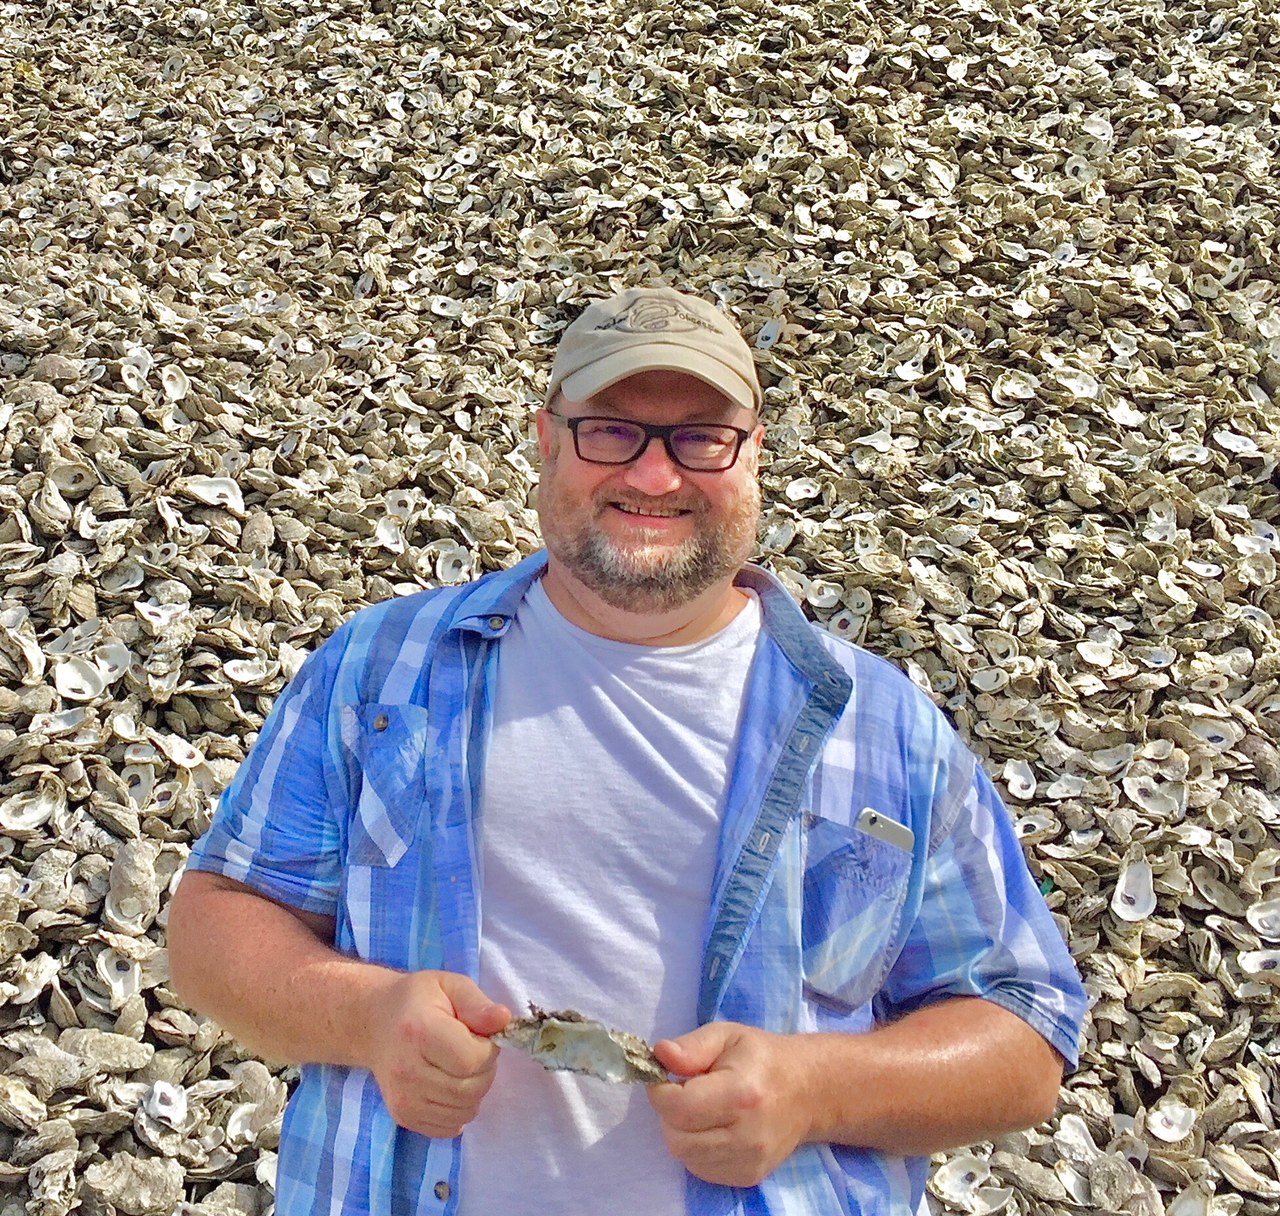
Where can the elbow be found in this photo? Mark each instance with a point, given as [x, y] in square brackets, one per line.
[178, 942]
[198, 918]
[1043, 1089]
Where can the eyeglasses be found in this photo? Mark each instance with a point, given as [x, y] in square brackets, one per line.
[700, 447]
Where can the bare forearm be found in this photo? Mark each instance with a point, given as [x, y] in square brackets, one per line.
[265, 977]
[950, 1074]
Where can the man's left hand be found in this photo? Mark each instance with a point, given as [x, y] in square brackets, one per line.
[742, 1109]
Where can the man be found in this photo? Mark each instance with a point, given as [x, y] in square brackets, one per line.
[628, 777]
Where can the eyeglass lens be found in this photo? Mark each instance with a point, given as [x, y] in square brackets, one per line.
[696, 446]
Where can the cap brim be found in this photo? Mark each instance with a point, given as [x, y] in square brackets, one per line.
[598, 376]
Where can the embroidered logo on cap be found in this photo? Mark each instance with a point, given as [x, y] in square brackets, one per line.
[656, 316]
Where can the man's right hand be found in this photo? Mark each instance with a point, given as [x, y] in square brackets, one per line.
[270, 976]
[430, 1052]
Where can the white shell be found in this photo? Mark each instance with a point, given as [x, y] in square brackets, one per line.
[133, 896]
[216, 492]
[858, 601]
[123, 577]
[1097, 654]
[1170, 1120]
[1014, 386]
[179, 751]
[1261, 965]
[1264, 916]
[1219, 733]
[113, 660]
[139, 780]
[1068, 785]
[250, 671]
[74, 478]
[1134, 898]
[79, 680]
[1019, 779]
[1077, 382]
[166, 1103]
[21, 815]
[453, 563]
[768, 333]
[989, 679]
[175, 382]
[388, 534]
[1193, 1201]
[135, 367]
[803, 488]
[121, 976]
[1075, 1142]
[823, 594]
[161, 616]
[958, 1180]
[961, 1183]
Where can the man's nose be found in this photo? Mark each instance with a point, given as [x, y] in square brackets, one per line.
[653, 472]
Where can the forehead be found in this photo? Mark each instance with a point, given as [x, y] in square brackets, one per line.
[662, 396]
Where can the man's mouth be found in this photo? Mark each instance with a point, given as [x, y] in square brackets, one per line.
[650, 512]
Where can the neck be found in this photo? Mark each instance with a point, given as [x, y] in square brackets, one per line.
[701, 617]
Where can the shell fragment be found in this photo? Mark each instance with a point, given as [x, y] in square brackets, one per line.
[565, 1041]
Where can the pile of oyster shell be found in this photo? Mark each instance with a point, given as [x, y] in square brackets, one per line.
[278, 286]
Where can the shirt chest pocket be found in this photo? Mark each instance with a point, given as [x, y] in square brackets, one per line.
[855, 885]
[391, 743]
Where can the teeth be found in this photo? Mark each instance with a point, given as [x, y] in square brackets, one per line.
[622, 506]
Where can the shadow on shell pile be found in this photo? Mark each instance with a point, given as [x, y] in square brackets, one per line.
[267, 275]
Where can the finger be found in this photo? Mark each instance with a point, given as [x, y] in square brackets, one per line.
[410, 1081]
[456, 1092]
[697, 1051]
[466, 1057]
[719, 1156]
[430, 1118]
[434, 1099]
[439, 1040]
[471, 1007]
[695, 1105]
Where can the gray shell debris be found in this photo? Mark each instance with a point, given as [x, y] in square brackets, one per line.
[565, 1041]
[279, 283]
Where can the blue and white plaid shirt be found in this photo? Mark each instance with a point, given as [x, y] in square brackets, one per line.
[357, 802]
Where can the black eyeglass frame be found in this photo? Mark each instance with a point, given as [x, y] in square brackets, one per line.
[651, 433]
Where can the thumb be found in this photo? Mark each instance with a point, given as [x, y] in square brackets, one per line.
[695, 1052]
[471, 1007]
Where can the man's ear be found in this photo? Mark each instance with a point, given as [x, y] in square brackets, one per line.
[546, 425]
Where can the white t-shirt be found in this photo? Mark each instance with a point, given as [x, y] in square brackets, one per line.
[600, 817]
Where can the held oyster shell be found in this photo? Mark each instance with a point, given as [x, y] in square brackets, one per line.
[1012, 291]
[566, 1041]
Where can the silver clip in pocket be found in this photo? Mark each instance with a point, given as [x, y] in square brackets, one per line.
[887, 831]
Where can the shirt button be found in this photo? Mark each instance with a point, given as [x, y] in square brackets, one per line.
[497, 622]
[380, 722]
[442, 1191]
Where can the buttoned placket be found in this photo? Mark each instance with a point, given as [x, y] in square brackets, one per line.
[455, 855]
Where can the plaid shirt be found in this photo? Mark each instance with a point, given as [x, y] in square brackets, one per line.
[357, 802]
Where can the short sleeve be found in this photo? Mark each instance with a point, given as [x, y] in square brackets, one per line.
[984, 930]
[274, 829]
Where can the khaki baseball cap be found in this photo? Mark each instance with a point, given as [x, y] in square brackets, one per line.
[653, 329]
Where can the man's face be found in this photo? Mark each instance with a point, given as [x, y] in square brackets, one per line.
[649, 536]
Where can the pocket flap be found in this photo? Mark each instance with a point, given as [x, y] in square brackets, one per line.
[391, 744]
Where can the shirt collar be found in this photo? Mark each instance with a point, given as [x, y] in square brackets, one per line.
[490, 605]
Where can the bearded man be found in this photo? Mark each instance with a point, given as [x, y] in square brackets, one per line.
[628, 777]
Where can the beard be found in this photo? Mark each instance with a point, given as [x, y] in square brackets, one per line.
[654, 575]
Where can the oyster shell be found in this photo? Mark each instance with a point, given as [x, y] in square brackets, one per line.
[566, 1041]
[1019, 334]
